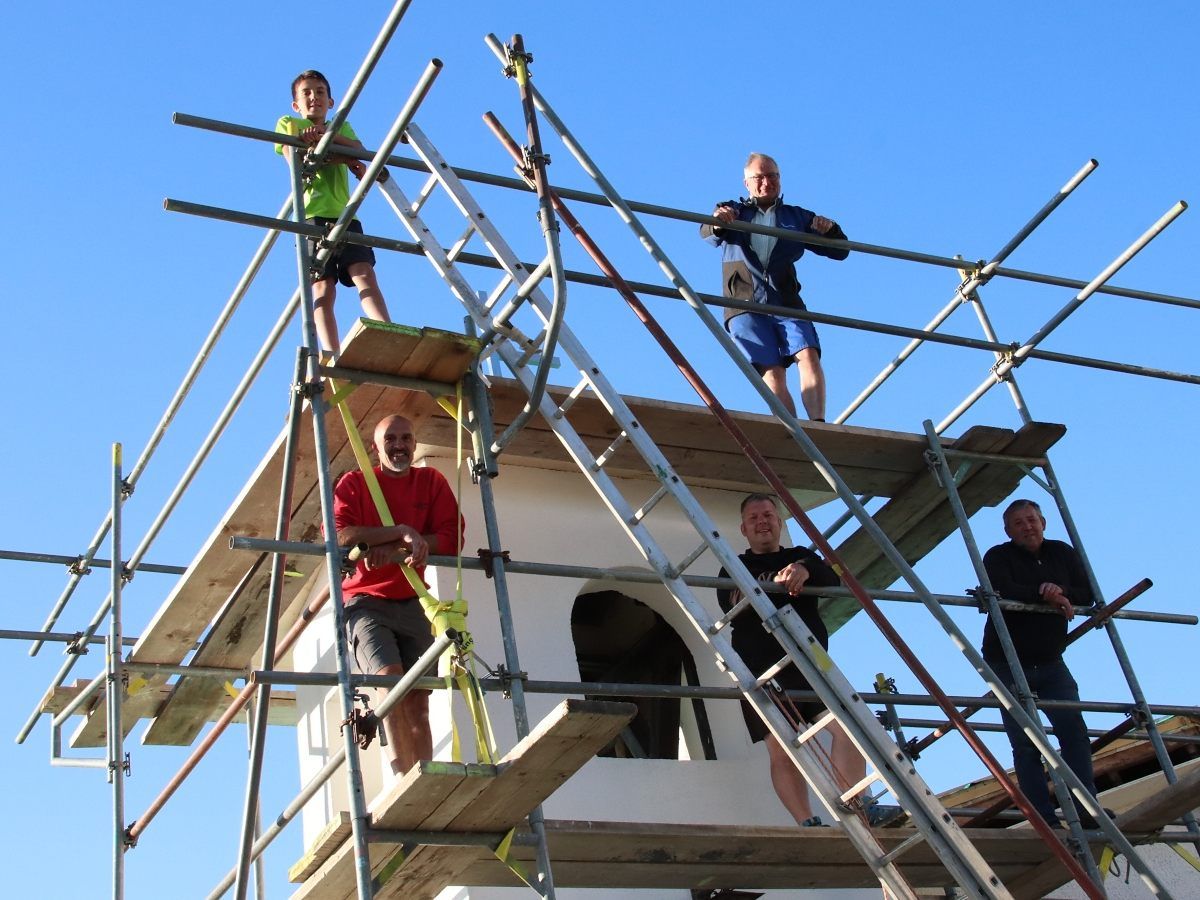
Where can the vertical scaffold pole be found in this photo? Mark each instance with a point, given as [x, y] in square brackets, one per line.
[262, 701]
[1161, 754]
[318, 407]
[482, 434]
[1024, 696]
[115, 684]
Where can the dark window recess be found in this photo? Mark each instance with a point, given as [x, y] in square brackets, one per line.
[619, 640]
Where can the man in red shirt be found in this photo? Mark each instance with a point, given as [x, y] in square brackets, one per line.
[386, 628]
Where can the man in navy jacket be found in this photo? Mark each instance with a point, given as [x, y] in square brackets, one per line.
[760, 268]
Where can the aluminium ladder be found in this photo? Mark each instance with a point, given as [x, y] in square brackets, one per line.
[798, 646]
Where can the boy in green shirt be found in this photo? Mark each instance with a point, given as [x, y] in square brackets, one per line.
[325, 199]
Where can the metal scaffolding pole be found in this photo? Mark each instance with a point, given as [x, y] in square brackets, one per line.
[559, 570]
[116, 685]
[971, 281]
[260, 707]
[79, 567]
[682, 215]
[181, 487]
[1033, 730]
[475, 259]
[319, 407]
[1003, 368]
[485, 469]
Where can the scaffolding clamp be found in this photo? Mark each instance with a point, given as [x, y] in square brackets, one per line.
[127, 837]
[982, 598]
[1006, 362]
[510, 69]
[934, 465]
[364, 724]
[126, 574]
[506, 678]
[489, 557]
[80, 566]
[125, 768]
[77, 645]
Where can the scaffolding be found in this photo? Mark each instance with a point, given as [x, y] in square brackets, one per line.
[492, 317]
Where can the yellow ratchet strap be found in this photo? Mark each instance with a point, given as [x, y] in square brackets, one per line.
[441, 615]
[1106, 860]
[1190, 859]
[503, 853]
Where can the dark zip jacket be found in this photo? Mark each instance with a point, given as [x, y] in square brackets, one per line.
[743, 274]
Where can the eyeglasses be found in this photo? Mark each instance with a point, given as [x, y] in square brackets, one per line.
[767, 176]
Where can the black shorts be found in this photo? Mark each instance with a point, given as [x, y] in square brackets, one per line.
[386, 633]
[345, 256]
[791, 680]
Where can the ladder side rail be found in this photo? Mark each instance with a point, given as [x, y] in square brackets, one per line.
[1059, 770]
[582, 456]
[835, 481]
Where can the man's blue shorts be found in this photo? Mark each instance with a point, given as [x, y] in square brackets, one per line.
[771, 340]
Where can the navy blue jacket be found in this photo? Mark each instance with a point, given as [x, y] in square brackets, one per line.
[743, 274]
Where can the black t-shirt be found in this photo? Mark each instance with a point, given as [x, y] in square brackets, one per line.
[757, 647]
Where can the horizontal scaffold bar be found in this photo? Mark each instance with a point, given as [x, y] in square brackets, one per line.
[947, 262]
[300, 548]
[653, 290]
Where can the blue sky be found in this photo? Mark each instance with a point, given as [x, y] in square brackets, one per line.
[936, 127]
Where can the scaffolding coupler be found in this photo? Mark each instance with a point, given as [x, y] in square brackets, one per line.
[364, 724]
[489, 557]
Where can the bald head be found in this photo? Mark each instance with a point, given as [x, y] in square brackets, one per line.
[395, 443]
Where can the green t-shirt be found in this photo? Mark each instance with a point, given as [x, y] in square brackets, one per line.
[329, 191]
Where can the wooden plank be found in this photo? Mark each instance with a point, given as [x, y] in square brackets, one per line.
[616, 855]
[481, 798]
[333, 835]
[1165, 806]
[919, 517]
[407, 805]
[537, 766]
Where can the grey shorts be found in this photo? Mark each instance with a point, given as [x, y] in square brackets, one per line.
[385, 632]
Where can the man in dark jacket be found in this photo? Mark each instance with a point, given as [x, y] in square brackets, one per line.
[1030, 569]
[795, 568]
[762, 269]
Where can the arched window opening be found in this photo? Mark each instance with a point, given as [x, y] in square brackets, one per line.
[620, 640]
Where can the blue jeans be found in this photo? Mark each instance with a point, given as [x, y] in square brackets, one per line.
[1049, 681]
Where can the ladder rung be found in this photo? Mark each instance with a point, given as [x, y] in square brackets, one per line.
[903, 847]
[423, 195]
[644, 510]
[497, 292]
[461, 244]
[691, 558]
[604, 457]
[576, 393]
[773, 671]
[734, 611]
[855, 789]
[814, 729]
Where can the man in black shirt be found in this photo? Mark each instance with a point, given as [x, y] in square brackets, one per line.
[795, 567]
[1030, 569]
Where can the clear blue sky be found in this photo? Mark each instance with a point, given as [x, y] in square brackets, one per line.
[939, 127]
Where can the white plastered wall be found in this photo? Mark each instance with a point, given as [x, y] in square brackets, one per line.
[552, 516]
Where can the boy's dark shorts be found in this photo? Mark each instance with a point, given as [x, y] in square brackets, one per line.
[385, 632]
[346, 255]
